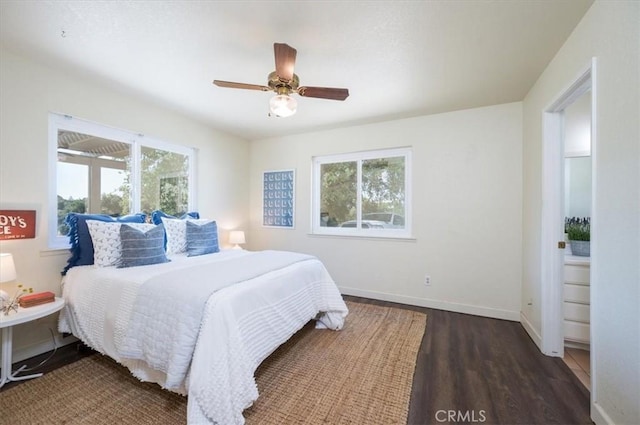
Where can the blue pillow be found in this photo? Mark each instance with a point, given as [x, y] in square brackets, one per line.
[142, 248]
[202, 239]
[80, 239]
[156, 216]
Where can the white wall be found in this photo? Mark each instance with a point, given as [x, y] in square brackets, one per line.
[467, 211]
[29, 91]
[610, 32]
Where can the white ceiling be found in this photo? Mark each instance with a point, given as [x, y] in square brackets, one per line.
[397, 58]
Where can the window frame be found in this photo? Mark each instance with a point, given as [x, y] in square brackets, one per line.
[359, 157]
[135, 140]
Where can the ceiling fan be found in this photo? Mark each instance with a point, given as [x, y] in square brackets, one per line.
[284, 82]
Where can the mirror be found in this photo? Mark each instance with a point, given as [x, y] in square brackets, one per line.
[577, 163]
[577, 186]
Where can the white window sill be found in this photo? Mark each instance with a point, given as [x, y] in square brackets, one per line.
[364, 237]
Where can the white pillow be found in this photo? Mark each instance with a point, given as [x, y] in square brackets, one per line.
[107, 248]
[176, 231]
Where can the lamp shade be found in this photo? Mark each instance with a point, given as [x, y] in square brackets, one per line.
[283, 105]
[7, 268]
[236, 237]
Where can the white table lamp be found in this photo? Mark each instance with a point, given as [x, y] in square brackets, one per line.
[7, 268]
[236, 237]
[7, 274]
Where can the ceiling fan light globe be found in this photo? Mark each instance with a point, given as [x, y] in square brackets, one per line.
[283, 105]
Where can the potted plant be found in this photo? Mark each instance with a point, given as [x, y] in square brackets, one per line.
[579, 233]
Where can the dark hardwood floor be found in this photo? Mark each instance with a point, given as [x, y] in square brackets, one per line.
[469, 369]
[472, 369]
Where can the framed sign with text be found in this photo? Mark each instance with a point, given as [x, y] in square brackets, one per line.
[278, 198]
[17, 224]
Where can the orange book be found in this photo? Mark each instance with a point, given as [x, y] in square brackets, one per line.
[32, 300]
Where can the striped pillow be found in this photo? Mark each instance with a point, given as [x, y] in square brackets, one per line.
[142, 248]
[107, 249]
[202, 238]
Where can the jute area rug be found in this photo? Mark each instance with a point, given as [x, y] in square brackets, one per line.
[360, 375]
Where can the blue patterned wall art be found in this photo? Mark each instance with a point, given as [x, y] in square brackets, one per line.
[278, 200]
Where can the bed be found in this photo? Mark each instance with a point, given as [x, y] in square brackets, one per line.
[201, 325]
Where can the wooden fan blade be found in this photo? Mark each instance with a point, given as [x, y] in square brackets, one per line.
[324, 92]
[233, 85]
[285, 60]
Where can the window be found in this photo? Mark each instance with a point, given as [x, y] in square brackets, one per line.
[363, 194]
[102, 170]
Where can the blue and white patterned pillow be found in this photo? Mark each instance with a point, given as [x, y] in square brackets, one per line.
[176, 232]
[107, 247]
[142, 248]
[201, 238]
[80, 239]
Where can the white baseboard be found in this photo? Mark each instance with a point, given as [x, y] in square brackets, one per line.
[531, 330]
[599, 416]
[439, 305]
[578, 345]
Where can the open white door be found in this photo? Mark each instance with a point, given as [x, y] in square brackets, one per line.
[552, 255]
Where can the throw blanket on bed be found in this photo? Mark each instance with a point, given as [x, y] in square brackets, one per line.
[239, 330]
[168, 345]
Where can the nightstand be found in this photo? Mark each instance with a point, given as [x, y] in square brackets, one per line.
[23, 315]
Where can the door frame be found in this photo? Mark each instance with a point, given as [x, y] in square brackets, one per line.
[552, 226]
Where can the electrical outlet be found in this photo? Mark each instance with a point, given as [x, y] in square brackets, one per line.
[427, 280]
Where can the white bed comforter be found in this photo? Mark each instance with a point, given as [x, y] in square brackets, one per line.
[240, 324]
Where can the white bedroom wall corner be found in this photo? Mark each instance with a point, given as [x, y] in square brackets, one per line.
[609, 31]
[470, 172]
[534, 333]
[531, 296]
[25, 103]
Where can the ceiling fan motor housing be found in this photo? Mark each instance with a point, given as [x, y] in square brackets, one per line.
[283, 86]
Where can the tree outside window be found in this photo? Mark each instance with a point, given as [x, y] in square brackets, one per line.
[94, 174]
[363, 193]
